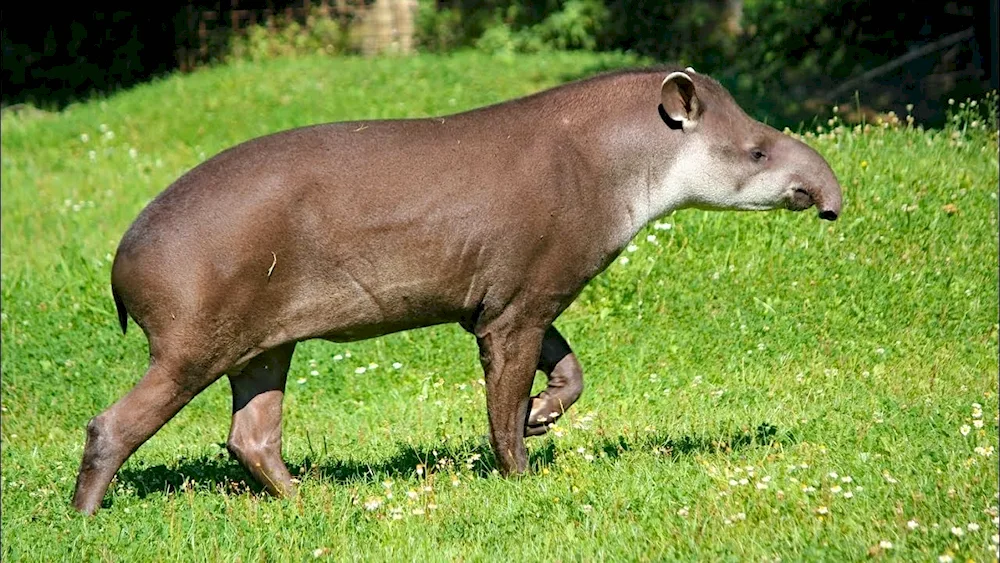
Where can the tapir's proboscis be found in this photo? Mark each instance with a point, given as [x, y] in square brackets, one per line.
[494, 218]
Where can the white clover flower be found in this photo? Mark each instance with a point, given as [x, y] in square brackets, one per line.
[848, 494]
[683, 512]
[373, 504]
[957, 531]
[313, 372]
[945, 558]
[965, 430]
[972, 527]
[885, 544]
[913, 524]
[396, 365]
[360, 370]
[822, 510]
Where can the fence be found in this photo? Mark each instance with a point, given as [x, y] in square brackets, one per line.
[202, 33]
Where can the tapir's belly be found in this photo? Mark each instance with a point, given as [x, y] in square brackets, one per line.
[357, 313]
[346, 298]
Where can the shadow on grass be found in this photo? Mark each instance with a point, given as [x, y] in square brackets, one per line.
[220, 473]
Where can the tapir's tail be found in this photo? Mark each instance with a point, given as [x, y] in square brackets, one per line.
[120, 307]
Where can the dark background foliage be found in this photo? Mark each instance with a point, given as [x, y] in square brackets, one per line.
[789, 58]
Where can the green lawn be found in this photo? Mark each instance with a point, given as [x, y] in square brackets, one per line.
[759, 385]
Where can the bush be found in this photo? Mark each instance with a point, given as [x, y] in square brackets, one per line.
[577, 25]
[785, 58]
[438, 30]
[320, 34]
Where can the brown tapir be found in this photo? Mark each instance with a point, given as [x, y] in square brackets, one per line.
[494, 218]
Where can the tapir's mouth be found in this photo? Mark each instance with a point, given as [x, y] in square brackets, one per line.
[800, 199]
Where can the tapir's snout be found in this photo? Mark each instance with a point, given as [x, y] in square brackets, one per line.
[816, 184]
[829, 198]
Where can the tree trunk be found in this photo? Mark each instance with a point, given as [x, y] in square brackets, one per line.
[389, 27]
[733, 19]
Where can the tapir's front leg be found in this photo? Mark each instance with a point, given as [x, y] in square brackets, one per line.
[509, 355]
[565, 375]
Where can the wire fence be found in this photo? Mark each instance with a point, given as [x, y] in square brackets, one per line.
[204, 33]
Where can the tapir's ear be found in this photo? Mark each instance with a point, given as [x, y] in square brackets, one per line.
[680, 101]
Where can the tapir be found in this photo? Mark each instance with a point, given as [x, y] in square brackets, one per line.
[494, 218]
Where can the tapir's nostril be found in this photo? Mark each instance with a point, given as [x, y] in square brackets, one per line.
[828, 214]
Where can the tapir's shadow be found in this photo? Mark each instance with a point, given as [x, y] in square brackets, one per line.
[220, 473]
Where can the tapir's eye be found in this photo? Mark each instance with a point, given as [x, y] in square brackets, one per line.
[757, 155]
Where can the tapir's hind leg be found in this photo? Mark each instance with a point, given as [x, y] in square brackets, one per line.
[113, 435]
[565, 375]
[255, 436]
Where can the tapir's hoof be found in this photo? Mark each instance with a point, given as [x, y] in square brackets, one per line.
[543, 414]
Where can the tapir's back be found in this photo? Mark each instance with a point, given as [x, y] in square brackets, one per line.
[350, 229]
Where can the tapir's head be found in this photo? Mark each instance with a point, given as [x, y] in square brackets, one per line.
[730, 161]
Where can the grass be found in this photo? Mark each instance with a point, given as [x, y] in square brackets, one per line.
[759, 386]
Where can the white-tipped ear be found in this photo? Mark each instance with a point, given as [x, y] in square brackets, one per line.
[680, 101]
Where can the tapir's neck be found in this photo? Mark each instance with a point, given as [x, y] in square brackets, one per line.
[640, 162]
